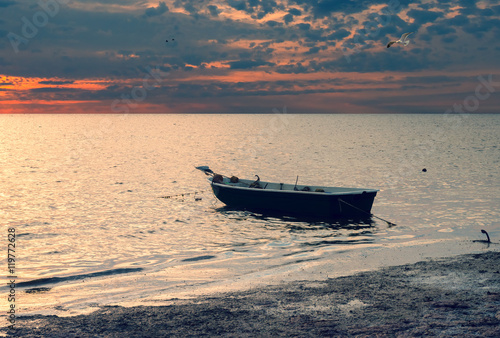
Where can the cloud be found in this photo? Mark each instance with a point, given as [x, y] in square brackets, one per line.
[51, 90]
[338, 34]
[239, 5]
[326, 8]
[422, 17]
[257, 9]
[272, 23]
[6, 3]
[313, 50]
[459, 20]
[56, 82]
[222, 55]
[440, 29]
[288, 18]
[154, 11]
[479, 27]
[248, 64]
[214, 10]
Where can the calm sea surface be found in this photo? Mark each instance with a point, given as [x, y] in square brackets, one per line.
[84, 195]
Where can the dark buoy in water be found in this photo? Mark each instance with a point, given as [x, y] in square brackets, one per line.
[487, 236]
[424, 170]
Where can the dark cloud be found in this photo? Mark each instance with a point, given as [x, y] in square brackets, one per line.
[51, 90]
[339, 34]
[272, 23]
[303, 26]
[119, 46]
[479, 27]
[258, 9]
[240, 5]
[467, 3]
[459, 20]
[248, 64]
[6, 3]
[313, 50]
[56, 82]
[449, 39]
[325, 8]
[125, 42]
[487, 12]
[384, 60]
[215, 89]
[423, 17]
[214, 11]
[154, 11]
[288, 18]
[433, 79]
[375, 29]
[4, 63]
[293, 68]
[440, 29]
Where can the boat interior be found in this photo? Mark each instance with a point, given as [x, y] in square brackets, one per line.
[257, 184]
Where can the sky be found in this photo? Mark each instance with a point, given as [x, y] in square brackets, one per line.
[249, 56]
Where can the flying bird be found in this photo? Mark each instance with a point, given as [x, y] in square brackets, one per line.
[167, 40]
[404, 40]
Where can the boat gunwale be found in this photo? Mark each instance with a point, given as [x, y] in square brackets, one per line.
[355, 191]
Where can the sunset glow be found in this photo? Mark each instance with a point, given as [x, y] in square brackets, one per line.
[168, 57]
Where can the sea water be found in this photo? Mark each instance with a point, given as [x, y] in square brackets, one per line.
[110, 210]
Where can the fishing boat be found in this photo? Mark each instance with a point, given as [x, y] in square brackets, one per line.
[293, 199]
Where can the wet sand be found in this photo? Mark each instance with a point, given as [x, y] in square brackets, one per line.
[457, 296]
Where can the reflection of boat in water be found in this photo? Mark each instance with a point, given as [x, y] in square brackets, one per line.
[317, 201]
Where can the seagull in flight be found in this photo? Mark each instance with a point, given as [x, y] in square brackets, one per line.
[404, 40]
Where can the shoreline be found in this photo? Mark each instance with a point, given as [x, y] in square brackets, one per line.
[456, 296]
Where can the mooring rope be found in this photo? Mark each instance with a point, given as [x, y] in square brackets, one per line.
[182, 195]
[368, 213]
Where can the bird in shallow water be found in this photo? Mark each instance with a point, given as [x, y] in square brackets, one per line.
[487, 240]
[487, 236]
[403, 39]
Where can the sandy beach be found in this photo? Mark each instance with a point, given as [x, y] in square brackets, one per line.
[458, 296]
